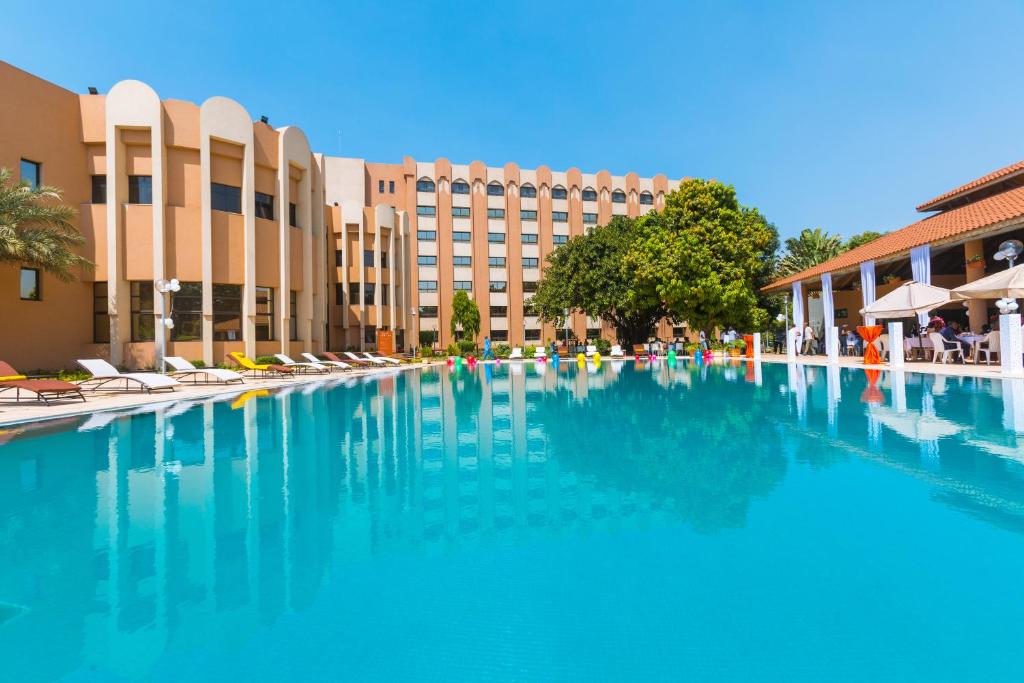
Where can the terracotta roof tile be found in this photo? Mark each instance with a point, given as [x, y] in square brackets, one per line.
[931, 204]
[984, 213]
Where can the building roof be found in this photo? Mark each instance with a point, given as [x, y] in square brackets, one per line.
[976, 184]
[985, 213]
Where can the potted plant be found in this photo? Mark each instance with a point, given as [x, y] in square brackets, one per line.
[976, 261]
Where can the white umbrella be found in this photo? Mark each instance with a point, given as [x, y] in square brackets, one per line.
[1007, 284]
[915, 425]
[907, 300]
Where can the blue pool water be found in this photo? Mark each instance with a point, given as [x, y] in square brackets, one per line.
[687, 523]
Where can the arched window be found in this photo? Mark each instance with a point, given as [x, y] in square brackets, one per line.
[425, 185]
[460, 187]
[646, 198]
[528, 190]
[495, 189]
[618, 197]
[589, 195]
[559, 192]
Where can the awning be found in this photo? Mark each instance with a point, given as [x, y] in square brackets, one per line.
[907, 300]
[1007, 284]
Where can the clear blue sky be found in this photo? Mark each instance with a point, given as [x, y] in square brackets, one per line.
[843, 116]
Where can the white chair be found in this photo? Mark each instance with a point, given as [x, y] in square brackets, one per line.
[308, 367]
[616, 352]
[384, 359]
[540, 353]
[181, 368]
[882, 344]
[104, 373]
[591, 350]
[988, 346]
[371, 359]
[939, 342]
[331, 363]
[517, 354]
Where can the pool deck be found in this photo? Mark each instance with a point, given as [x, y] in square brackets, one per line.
[30, 410]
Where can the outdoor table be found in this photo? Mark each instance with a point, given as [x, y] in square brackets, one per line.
[920, 343]
[869, 333]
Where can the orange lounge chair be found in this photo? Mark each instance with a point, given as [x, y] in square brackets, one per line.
[261, 369]
[44, 389]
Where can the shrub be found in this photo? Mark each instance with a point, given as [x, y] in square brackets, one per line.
[529, 351]
[426, 351]
[266, 360]
[604, 346]
[453, 350]
[502, 350]
[427, 338]
[467, 346]
[199, 363]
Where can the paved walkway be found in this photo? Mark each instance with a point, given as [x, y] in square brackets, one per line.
[992, 371]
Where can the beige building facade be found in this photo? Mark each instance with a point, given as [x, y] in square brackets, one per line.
[277, 248]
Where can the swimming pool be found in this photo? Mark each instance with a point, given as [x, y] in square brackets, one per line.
[526, 522]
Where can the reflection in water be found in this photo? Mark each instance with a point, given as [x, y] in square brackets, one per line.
[193, 526]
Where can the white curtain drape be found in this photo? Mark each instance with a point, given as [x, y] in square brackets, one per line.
[867, 287]
[798, 305]
[921, 268]
[827, 304]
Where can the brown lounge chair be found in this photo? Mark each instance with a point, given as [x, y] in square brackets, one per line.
[351, 361]
[44, 389]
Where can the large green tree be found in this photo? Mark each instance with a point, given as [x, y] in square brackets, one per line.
[809, 249]
[466, 315]
[706, 257]
[591, 274]
[37, 230]
[862, 238]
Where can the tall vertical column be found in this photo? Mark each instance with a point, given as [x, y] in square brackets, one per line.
[974, 257]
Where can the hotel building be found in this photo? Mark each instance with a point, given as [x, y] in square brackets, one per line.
[278, 248]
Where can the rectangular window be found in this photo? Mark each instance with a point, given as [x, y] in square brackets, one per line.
[528, 309]
[590, 218]
[495, 190]
[369, 292]
[265, 206]
[496, 237]
[529, 238]
[530, 285]
[496, 261]
[29, 285]
[647, 199]
[225, 198]
[426, 260]
[425, 186]
[368, 260]
[528, 215]
[265, 312]
[499, 311]
[460, 211]
[426, 235]
[462, 261]
[530, 262]
[99, 189]
[384, 298]
[380, 186]
[426, 210]
[498, 286]
[227, 312]
[293, 315]
[339, 258]
[559, 193]
[293, 215]
[499, 335]
[532, 335]
[559, 239]
[528, 191]
[391, 186]
[428, 285]
[560, 216]
[353, 292]
[593, 333]
[31, 173]
[339, 294]
[187, 312]
[463, 285]
[100, 317]
[460, 187]
[140, 189]
[458, 236]
[383, 259]
[590, 195]
[428, 311]
[370, 334]
[676, 331]
[495, 213]
[142, 311]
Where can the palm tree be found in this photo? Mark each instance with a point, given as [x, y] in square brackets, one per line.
[809, 249]
[37, 230]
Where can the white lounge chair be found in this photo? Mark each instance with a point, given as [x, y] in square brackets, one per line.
[386, 359]
[939, 342]
[591, 350]
[332, 363]
[540, 353]
[517, 353]
[371, 359]
[616, 352]
[988, 346]
[103, 373]
[308, 367]
[181, 368]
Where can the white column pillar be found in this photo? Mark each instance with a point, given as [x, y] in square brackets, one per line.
[1013, 405]
[798, 305]
[867, 287]
[791, 345]
[896, 345]
[828, 306]
[898, 386]
[832, 344]
[757, 346]
[1010, 345]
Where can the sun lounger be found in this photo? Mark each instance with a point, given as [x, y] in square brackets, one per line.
[540, 353]
[639, 350]
[261, 369]
[371, 360]
[317, 367]
[616, 352]
[181, 368]
[105, 374]
[517, 354]
[44, 389]
[354, 360]
[332, 363]
[381, 356]
[592, 350]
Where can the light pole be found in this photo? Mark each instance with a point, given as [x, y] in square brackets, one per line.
[166, 288]
[412, 312]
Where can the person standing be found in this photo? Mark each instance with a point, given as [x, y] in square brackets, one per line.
[487, 349]
[809, 339]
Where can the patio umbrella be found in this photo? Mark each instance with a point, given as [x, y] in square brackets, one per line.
[1008, 284]
[907, 300]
